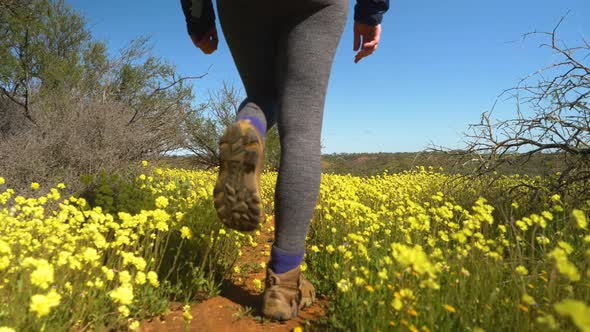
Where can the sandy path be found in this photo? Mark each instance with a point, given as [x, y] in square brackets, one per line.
[226, 312]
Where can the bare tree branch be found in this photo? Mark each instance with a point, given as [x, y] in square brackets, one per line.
[159, 89]
[552, 117]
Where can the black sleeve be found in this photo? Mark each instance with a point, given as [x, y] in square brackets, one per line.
[370, 11]
[199, 16]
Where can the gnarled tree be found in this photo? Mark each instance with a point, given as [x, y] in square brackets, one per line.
[552, 118]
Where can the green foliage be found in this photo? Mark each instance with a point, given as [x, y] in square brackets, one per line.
[272, 154]
[40, 47]
[61, 91]
[46, 48]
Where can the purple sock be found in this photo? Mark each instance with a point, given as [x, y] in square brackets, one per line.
[256, 122]
[281, 263]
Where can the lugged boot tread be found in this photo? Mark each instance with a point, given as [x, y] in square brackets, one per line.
[236, 195]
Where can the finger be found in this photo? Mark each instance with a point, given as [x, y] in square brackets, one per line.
[368, 50]
[357, 41]
[372, 44]
[358, 57]
[363, 53]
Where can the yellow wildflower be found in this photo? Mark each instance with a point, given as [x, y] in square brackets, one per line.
[578, 311]
[124, 277]
[140, 278]
[564, 266]
[257, 283]
[42, 276]
[521, 270]
[186, 314]
[123, 310]
[397, 304]
[42, 304]
[134, 325]
[580, 217]
[343, 285]
[449, 308]
[161, 202]
[185, 233]
[153, 279]
[548, 320]
[528, 300]
[122, 294]
[109, 273]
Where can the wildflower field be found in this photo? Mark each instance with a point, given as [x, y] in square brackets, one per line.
[414, 251]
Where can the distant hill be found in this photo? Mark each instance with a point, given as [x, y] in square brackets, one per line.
[367, 164]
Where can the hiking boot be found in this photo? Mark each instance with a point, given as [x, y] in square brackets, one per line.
[285, 294]
[236, 195]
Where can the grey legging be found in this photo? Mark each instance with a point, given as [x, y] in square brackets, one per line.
[284, 50]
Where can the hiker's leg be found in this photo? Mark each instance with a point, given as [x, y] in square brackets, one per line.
[306, 51]
[251, 40]
[252, 43]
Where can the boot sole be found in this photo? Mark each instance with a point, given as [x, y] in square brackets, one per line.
[282, 316]
[236, 194]
[275, 305]
[276, 314]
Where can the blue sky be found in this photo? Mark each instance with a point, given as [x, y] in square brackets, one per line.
[439, 65]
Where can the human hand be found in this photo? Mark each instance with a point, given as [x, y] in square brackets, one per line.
[208, 43]
[370, 39]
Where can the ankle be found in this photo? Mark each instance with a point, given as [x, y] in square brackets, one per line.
[281, 262]
[257, 123]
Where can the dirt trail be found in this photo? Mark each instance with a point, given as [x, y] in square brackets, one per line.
[227, 312]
